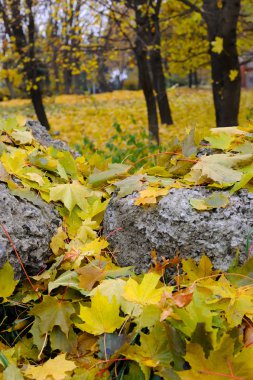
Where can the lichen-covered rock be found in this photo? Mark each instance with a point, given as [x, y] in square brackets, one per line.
[30, 227]
[173, 226]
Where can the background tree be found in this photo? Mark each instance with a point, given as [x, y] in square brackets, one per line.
[221, 18]
[20, 28]
[142, 18]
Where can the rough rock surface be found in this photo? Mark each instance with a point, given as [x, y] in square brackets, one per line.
[30, 227]
[41, 134]
[173, 226]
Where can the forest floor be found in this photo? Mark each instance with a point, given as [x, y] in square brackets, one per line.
[75, 117]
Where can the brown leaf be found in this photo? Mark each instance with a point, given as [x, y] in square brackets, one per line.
[88, 276]
[248, 336]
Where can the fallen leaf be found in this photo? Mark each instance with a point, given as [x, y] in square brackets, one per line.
[70, 195]
[7, 282]
[149, 195]
[102, 317]
[53, 312]
[218, 167]
[114, 171]
[215, 200]
[55, 369]
[144, 293]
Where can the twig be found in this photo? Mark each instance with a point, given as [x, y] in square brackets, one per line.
[20, 261]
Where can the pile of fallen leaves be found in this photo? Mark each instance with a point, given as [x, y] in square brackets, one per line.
[85, 317]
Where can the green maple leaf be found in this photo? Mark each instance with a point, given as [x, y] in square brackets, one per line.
[246, 178]
[70, 195]
[22, 136]
[194, 271]
[102, 317]
[218, 167]
[154, 350]
[12, 373]
[9, 124]
[221, 363]
[220, 141]
[59, 341]
[189, 147]
[193, 314]
[215, 200]
[128, 185]
[67, 161]
[114, 171]
[52, 312]
[7, 282]
[68, 279]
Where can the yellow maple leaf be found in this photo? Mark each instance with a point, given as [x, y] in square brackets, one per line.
[94, 247]
[233, 74]
[70, 194]
[7, 282]
[53, 369]
[217, 45]
[102, 317]
[58, 241]
[36, 178]
[144, 293]
[86, 232]
[149, 195]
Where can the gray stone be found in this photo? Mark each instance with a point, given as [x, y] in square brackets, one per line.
[173, 226]
[30, 227]
[41, 134]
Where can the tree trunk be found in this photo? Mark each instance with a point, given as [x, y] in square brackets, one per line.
[190, 79]
[56, 71]
[147, 87]
[195, 79]
[28, 58]
[160, 87]
[157, 69]
[37, 102]
[145, 78]
[67, 74]
[222, 22]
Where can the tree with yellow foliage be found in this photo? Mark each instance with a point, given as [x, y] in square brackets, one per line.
[19, 24]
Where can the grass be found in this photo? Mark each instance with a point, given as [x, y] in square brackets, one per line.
[76, 117]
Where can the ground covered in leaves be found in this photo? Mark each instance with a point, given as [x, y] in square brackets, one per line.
[85, 317]
[95, 117]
